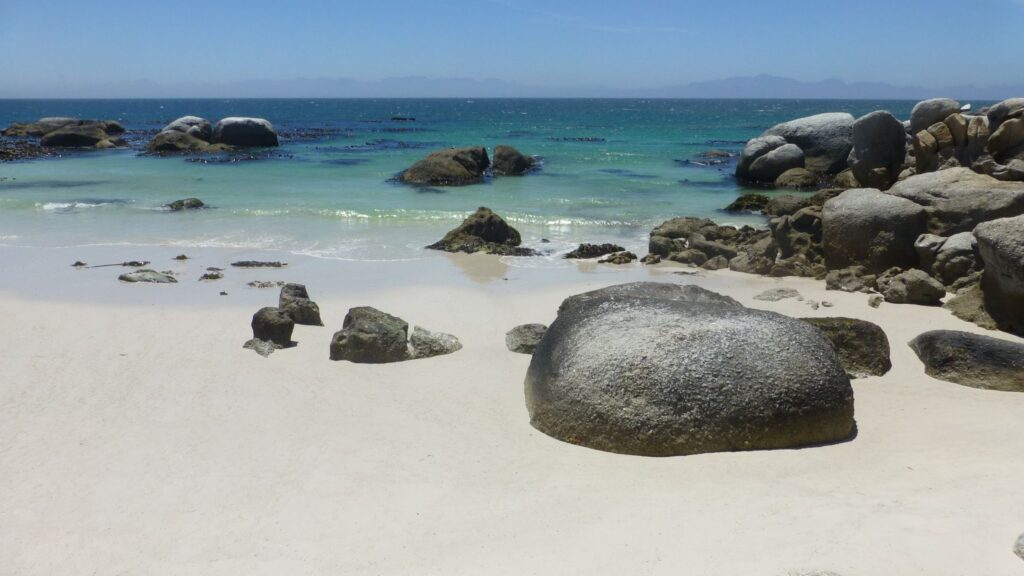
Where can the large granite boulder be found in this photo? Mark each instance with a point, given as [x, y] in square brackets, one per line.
[510, 162]
[948, 259]
[879, 149]
[272, 325]
[1005, 110]
[649, 290]
[958, 199]
[756, 148]
[768, 167]
[826, 139]
[295, 302]
[630, 372]
[484, 231]
[869, 228]
[75, 136]
[192, 125]
[971, 359]
[450, 167]
[862, 347]
[369, 336]
[930, 112]
[245, 132]
[1001, 247]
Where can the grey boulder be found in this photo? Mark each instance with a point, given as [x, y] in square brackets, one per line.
[1001, 248]
[879, 143]
[911, 287]
[972, 359]
[369, 336]
[769, 167]
[510, 162]
[958, 199]
[755, 148]
[668, 376]
[272, 325]
[826, 139]
[245, 132]
[866, 227]
[523, 339]
[194, 126]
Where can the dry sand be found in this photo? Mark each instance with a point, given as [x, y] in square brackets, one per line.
[138, 437]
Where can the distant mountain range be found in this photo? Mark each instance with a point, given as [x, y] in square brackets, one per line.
[762, 86]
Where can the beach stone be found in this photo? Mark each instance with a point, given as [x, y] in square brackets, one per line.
[869, 228]
[911, 287]
[262, 347]
[510, 162]
[245, 132]
[879, 142]
[427, 344]
[618, 258]
[776, 294]
[825, 139]
[173, 141]
[483, 231]
[958, 199]
[639, 374]
[450, 167]
[928, 112]
[295, 302]
[199, 128]
[1001, 247]
[773, 164]
[273, 325]
[716, 263]
[972, 359]
[797, 179]
[754, 149]
[369, 336]
[748, 203]
[585, 251]
[523, 339]
[148, 276]
[186, 204]
[850, 279]
[862, 347]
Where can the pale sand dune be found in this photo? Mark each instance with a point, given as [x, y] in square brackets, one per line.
[142, 439]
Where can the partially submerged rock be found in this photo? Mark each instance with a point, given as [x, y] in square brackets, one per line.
[483, 231]
[147, 276]
[639, 374]
[619, 258]
[862, 347]
[585, 250]
[748, 203]
[523, 339]
[971, 359]
[273, 325]
[510, 162]
[186, 204]
[245, 132]
[258, 264]
[450, 167]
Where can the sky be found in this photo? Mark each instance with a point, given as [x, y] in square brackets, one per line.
[61, 47]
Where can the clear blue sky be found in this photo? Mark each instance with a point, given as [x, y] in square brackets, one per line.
[638, 43]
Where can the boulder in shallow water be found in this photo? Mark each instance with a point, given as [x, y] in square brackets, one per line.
[639, 374]
[193, 126]
[148, 276]
[585, 251]
[754, 149]
[450, 167]
[369, 336]
[483, 231]
[75, 136]
[618, 258]
[186, 204]
[869, 228]
[825, 139]
[173, 141]
[771, 166]
[971, 359]
[245, 132]
[797, 179]
[748, 203]
[272, 325]
[862, 347]
[523, 339]
[510, 162]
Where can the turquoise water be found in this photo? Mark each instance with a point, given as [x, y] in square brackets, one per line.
[612, 169]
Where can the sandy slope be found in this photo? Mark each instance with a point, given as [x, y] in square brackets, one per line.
[142, 439]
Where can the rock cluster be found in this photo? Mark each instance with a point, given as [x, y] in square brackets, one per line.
[819, 144]
[195, 134]
[659, 370]
[469, 165]
[369, 336]
[59, 132]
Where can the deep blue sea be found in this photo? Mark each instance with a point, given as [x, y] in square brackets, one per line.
[612, 169]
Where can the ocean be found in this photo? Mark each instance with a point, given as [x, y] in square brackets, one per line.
[611, 170]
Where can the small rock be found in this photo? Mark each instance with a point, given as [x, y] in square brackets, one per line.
[826, 304]
[78, 264]
[223, 293]
[748, 203]
[523, 339]
[258, 264]
[273, 325]
[776, 294]
[427, 344]
[181, 257]
[716, 263]
[147, 275]
[262, 347]
[651, 259]
[594, 250]
[214, 269]
[619, 258]
[135, 263]
[211, 276]
[875, 301]
[186, 204]
[483, 231]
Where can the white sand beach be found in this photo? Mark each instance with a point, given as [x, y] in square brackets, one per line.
[138, 437]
